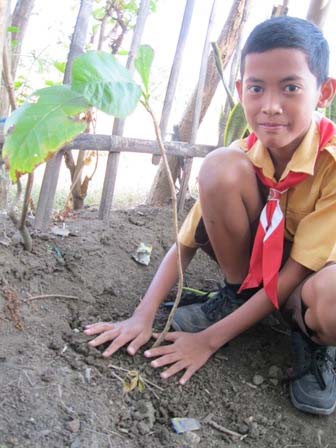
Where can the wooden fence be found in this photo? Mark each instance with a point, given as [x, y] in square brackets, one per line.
[116, 143]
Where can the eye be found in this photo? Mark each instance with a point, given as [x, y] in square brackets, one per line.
[292, 88]
[255, 89]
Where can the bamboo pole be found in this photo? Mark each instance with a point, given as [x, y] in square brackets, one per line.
[115, 143]
[118, 126]
[175, 71]
[52, 169]
[198, 104]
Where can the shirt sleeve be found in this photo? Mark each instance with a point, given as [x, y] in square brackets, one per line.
[315, 239]
[188, 229]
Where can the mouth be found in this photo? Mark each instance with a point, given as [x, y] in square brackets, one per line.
[273, 127]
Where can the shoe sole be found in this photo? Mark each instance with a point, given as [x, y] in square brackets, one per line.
[310, 409]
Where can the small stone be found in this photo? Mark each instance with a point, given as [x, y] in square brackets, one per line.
[47, 376]
[274, 381]
[164, 436]
[189, 439]
[254, 430]
[275, 372]
[73, 425]
[145, 411]
[258, 380]
[87, 375]
[143, 428]
[243, 429]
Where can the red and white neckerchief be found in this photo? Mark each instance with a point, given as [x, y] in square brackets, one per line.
[267, 249]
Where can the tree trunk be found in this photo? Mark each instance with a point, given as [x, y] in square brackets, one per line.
[4, 14]
[21, 15]
[20, 19]
[4, 22]
[77, 46]
[318, 11]
[4, 8]
[227, 42]
[79, 36]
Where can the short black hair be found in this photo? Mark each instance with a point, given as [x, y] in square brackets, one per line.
[290, 32]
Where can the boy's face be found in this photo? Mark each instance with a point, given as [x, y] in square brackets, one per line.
[279, 94]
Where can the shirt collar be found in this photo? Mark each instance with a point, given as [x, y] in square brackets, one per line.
[302, 161]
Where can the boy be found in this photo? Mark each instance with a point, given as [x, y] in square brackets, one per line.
[284, 173]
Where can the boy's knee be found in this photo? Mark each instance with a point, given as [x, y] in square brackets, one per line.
[225, 168]
[319, 295]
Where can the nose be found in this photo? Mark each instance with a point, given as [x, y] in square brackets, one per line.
[271, 104]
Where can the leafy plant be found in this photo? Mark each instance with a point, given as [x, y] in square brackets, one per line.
[133, 380]
[236, 124]
[52, 116]
[143, 63]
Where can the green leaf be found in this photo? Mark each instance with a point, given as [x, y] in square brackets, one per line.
[38, 129]
[153, 5]
[13, 29]
[18, 84]
[219, 66]
[123, 52]
[50, 82]
[143, 63]
[105, 83]
[236, 125]
[331, 111]
[99, 13]
[60, 66]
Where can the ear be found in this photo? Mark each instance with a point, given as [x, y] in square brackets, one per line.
[239, 87]
[328, 90]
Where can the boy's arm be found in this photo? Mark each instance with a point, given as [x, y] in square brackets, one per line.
[257, 307]
[137, 330]
[189, 352]
[164, 279]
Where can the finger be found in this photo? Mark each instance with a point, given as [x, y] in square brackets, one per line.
[171, 336]
[164, 360]
[98, 328]
[187, 375]
[159, 351]
[175, 368]
[138, 342]
[119, 342]
[105, 337]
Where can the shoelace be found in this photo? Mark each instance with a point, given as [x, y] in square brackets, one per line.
[311, 358]
[224, 302]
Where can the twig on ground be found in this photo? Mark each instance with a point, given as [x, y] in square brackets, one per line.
[147, 382]
[174, 204]
[117, 376]
[50, 296]
[28, 378]
[278, 330]
[152, 384]
[225, 430]
[107, 434]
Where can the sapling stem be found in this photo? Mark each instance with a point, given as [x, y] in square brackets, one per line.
[174, 204]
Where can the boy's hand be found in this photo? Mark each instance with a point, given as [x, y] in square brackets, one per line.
[136, 330]
[188, 351]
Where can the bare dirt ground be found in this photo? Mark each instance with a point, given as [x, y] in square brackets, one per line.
[56, 392]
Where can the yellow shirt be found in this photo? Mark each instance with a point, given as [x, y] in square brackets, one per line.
[309, 207]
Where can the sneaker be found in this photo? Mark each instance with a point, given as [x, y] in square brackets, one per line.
[198, 316]
[313, 382]
[190, 296]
